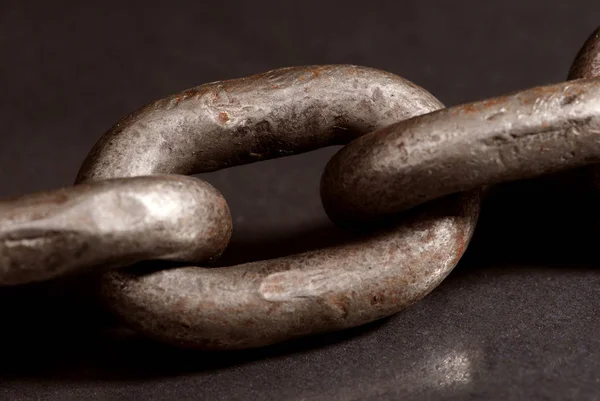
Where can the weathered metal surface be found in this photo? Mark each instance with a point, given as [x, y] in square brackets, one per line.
[585, 66]
[281, 112]
[522, 135]
[587, 61]
[261, 303]
[112, 223]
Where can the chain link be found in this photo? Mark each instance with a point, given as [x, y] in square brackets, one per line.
[133, 202]
[109, 224]
[523, 135]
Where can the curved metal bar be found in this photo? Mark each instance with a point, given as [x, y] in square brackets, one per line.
[587, 61]
[278, 113]
[585, 66]
[522, 135]
[112, 223]
[261, 303]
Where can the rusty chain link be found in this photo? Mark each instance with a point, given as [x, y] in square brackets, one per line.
[133, 202]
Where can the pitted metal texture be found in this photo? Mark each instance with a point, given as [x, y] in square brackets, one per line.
[109, 224]
[269, 115]
[270, 301]
[587, 61]
[261, 303]
[523, 135]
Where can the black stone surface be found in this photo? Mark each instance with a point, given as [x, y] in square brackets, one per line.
[517, 319]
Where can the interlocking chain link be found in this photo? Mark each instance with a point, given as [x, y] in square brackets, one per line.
[281, 112]
[523, 135]
[111, 223]
[133, 202]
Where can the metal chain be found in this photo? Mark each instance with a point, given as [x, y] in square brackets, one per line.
[133, 202]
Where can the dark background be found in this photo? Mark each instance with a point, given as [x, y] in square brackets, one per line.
[517, 319]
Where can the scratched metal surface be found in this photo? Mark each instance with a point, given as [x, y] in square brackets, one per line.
[515, 320]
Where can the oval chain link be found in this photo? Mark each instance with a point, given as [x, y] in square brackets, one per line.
[260, 303]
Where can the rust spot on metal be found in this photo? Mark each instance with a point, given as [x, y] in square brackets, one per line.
[470, 108]
[494, 101]
[223, 117]
[461, 245]
[180, 305]
[339, 303]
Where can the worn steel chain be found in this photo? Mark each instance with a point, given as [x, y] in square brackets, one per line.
[133, 202]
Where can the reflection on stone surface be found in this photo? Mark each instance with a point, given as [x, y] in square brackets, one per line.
[445, 372]
[452, 368]
[487, 333]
